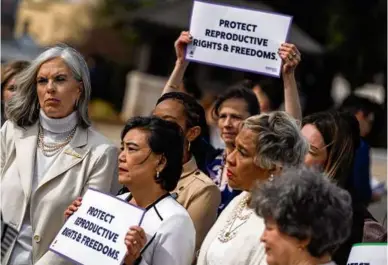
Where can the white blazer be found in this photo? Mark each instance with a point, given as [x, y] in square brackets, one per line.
[88, 161]
[170, 233]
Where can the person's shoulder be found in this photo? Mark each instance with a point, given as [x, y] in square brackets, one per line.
[202, 179]
[10, 126]
[236, 200]
[169, 209]
[11, 129]
[98, 141]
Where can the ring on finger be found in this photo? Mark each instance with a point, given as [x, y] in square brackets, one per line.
[135, 242]
[294, 54]
[290, 56]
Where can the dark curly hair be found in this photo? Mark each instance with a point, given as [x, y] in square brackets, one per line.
[165, 138]
[306, 205]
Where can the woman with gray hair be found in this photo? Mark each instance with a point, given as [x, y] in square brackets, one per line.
[265, 144]
[306, 217]
[50, 155]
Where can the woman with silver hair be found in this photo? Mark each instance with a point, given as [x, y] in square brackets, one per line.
[265, 144]
[306, 217]
[50, 155]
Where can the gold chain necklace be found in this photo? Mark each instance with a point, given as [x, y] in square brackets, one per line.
[228, 232]
[50, 149]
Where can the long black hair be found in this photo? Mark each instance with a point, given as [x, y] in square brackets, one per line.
[201, 149]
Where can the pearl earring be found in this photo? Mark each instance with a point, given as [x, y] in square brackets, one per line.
[270, 178]
[157, 174]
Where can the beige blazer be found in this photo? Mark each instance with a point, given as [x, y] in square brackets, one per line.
[201, 198]
[88, 161]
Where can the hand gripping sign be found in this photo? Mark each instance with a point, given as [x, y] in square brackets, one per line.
[95, 233]
[237, 38]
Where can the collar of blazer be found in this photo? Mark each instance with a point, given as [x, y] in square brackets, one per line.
[26, 144]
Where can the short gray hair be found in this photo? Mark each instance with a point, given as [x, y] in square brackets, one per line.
[306, 205]
[279, 141]
[23, 107]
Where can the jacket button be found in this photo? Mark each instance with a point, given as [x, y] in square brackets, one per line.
[37, 238]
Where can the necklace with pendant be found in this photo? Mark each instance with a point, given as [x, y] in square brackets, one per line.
[229, 232]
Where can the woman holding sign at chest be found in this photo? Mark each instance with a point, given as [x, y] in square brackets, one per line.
[150, 165]
[50, 154]
[235, 105]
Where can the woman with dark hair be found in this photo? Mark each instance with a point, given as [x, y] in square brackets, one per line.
[150, 164]
[334, 138]
[234, 106]
[195, 191]
[302, 231]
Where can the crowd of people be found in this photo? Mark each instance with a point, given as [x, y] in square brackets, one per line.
[285, 190]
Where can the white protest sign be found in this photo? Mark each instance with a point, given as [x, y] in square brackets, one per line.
[368, 254]
[237, 38]
[95, 233]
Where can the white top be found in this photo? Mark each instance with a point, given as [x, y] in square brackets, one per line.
[170, 233]
[55, 130]
[244, 248]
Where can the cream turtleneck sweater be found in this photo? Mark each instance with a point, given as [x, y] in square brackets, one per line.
[55, 131]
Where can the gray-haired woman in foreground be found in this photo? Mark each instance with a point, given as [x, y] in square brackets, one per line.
[306, 217]
[49, 154]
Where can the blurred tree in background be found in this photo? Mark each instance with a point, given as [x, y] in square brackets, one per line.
[354, 33]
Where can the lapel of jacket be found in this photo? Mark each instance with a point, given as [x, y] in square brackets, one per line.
[26, 143]
[70, 156]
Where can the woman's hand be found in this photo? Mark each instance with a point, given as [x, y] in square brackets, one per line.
[291, 57]
[135, 241]
[180, 46]
[73, 207]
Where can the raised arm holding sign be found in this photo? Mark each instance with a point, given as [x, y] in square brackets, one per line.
[288, 53]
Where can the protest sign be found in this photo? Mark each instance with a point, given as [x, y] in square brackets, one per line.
[368, 254]
[237, 38]
[95, 233]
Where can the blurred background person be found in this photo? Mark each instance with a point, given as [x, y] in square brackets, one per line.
[334, 138]
[265, 144]
[306, 217]
[150, 165]
[8, 73]
[364, 111]
[50, 155]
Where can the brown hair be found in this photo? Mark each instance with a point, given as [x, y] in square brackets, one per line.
[341, 134]
[9, 70]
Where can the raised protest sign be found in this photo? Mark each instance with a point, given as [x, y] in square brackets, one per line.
[237, 38]
[95, 233]
[368, 254]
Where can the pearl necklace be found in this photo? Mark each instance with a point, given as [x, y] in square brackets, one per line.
[51, 149]
[228, 232]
